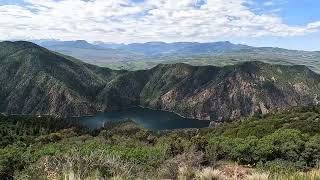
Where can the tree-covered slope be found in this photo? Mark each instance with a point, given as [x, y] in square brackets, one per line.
[34, 80]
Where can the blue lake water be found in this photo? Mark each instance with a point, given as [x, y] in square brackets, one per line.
[146, 118]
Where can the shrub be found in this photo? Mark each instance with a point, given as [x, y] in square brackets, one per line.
[181, 165]
[176, 145]
[287, 144]
[54, 137]
[199, 142]
[244, 150]
[312, 151]
[10, 161]
[212, 152]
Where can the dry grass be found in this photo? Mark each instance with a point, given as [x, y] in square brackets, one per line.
[235, 171]
[210, 174]
[185, 172]
[186, 166]
[311, 175]
[73, 166]
[258, 176]
[182, 166]
[315, 174]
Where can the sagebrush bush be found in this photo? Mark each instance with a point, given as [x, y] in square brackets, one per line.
[188, 161]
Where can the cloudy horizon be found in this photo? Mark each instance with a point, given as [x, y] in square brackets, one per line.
[258, 23]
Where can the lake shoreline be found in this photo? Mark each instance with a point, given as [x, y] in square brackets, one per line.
[170, 112]
[148, 118]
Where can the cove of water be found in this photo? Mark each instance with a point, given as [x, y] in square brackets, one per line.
[146, 118]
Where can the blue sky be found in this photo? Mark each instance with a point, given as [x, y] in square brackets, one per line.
[292, 24]
[293, 12]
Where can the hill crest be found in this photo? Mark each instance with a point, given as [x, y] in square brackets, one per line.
[62, 86]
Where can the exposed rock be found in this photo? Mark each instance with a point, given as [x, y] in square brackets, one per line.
[36, 81]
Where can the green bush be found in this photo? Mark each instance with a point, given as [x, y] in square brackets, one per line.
[287, 141]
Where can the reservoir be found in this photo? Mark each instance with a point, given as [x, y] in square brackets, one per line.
[146, 118]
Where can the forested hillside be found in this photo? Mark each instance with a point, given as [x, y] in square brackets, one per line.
[275, 146]
[36, 81]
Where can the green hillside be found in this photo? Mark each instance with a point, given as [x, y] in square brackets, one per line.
[283, 145]
[37, 81]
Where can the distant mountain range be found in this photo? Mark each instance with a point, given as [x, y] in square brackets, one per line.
[137, 56]
[34, 80]
[91, 53]
[182, 48]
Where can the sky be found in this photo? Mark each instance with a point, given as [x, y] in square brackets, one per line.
[292, 24]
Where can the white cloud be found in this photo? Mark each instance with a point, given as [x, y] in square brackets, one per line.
[126, 21]
[268, 3]
[314, 25]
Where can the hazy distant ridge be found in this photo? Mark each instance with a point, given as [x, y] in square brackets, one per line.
[147, 55]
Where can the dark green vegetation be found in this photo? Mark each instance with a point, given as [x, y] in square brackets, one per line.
[281, 142]
[34, 80]
[138, 56]
[25, 129]
[289, 139]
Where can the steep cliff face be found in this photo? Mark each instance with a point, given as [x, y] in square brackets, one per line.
[231, 91]
[34, 80]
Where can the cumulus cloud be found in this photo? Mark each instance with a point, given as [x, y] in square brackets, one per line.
[134, 21]
[268, 3]
[314, 25]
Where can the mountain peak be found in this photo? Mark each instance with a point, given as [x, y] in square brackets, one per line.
[81, 42]
[223, 42]
[156, 43]
[69, 44]
[25, 44]
[12, 47]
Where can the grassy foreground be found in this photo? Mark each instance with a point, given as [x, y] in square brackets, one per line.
[277, 146]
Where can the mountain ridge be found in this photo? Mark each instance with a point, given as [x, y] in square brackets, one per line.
[136, 56]
[37, 81]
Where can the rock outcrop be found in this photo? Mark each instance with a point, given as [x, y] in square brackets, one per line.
[34, 80]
